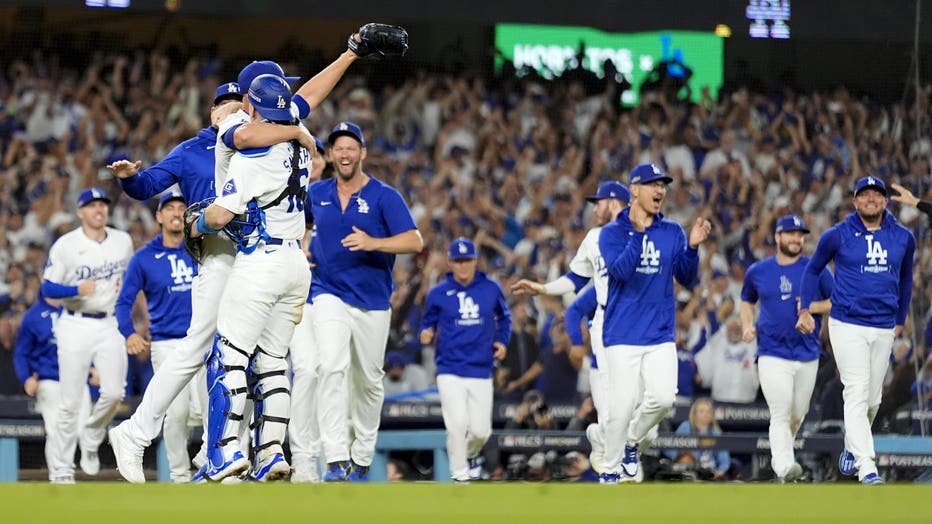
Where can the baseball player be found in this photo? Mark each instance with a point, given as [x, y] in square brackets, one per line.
[196, 176]
[610, 200]
[360, 224]
[304, 430]
[164, 272]
[643, 253]
[873, 257]
[267, 288]
[35, 359]
[787, 361]
[84, 268]
[469, 316]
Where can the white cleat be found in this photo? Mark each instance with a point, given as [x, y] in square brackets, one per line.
[128, 455]
[304, 469]
[794, 473]
[90, 462]
[63, 479]
[597, 455]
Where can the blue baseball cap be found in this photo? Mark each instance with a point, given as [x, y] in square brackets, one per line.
[646, 173]
[462, 249]
[168, 197]
[229, 90]
[271, 96]
[870, 182]
[321, 146]
[91, 194]
[348, 129]
[395, 359]
[790, 223]
[262, 67]
[611, 189]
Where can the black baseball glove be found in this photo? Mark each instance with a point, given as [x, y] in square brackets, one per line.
[387, 40]
[194, 245]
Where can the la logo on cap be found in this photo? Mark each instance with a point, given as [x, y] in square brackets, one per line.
[95, 193]
[232, 88]
[463, 248]
[796, 220]
[343, 126]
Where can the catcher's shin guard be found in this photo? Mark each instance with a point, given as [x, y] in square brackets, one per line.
[226, 389]
[271, 395]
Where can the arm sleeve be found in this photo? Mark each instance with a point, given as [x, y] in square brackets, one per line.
[686, 261]
[566, 283]
[748, 289]
[53, 290]
[152, 181]
[431, 314]
[133, 281]
[906, 280]
[227, 136]
[620, 258]
[825, 251]
[303, 107]
[502, 318]
[25, 340]
[925, 207]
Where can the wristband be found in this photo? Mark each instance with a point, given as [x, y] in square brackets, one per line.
[804, 310]
[202, 226]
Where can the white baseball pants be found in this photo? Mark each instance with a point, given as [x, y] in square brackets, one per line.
[82, 342]
[177, 429]
[629, 369]
[188, 358]
[466, 406]
[863, 355]
[350, 335]
[304, 430]
[48, 400]
[787, 387]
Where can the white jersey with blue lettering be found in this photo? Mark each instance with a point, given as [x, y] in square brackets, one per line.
[75, 258]
[588, 262]
[262, 175]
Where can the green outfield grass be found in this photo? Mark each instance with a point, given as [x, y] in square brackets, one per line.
[512, 503]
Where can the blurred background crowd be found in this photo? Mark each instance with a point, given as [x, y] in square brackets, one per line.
[506, 159]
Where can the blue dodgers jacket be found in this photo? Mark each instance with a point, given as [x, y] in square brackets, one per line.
[190, 165]
[873, 272]
[641, 307]
[467, 321]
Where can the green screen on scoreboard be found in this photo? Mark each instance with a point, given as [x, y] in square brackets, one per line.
[552, 49]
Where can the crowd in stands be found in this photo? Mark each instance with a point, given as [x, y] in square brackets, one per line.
[506, 159]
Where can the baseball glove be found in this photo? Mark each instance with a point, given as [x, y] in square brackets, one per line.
[194, 245]
[387, 40]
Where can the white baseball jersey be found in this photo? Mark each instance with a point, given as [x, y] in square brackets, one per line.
[75, 258]
[588, 262]
[261, 174]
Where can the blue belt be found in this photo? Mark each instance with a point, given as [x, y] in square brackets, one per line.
[86, 315]
[281, 242]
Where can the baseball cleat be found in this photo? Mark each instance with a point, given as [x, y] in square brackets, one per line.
[128, 455]
[630, 464]
[63, 479]
[475, 468]
[597, 455]
[846, 463]
[794, 473]
[90, 462]
[231, 468]
[271, 469]
[609, 478]
[358, 473]
[336, 471]
[871, 479]
[304, 469]
[200, 477]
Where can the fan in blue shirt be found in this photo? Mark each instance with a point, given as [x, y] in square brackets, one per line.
[787, 360]
[469, 316]
[873, 257]
[643, 253]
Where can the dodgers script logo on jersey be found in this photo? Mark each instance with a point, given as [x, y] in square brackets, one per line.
[469, 311]
[104, 271]
[650, 257]
[786, 288]
[876, 257]
[182, 274]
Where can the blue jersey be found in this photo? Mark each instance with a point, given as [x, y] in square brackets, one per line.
[467, 320]
[190, 165]
[36, 350]
[777, 288]
[583, 308]
[164, 276]
[873, 272]
[641, 266]
[358, 278]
